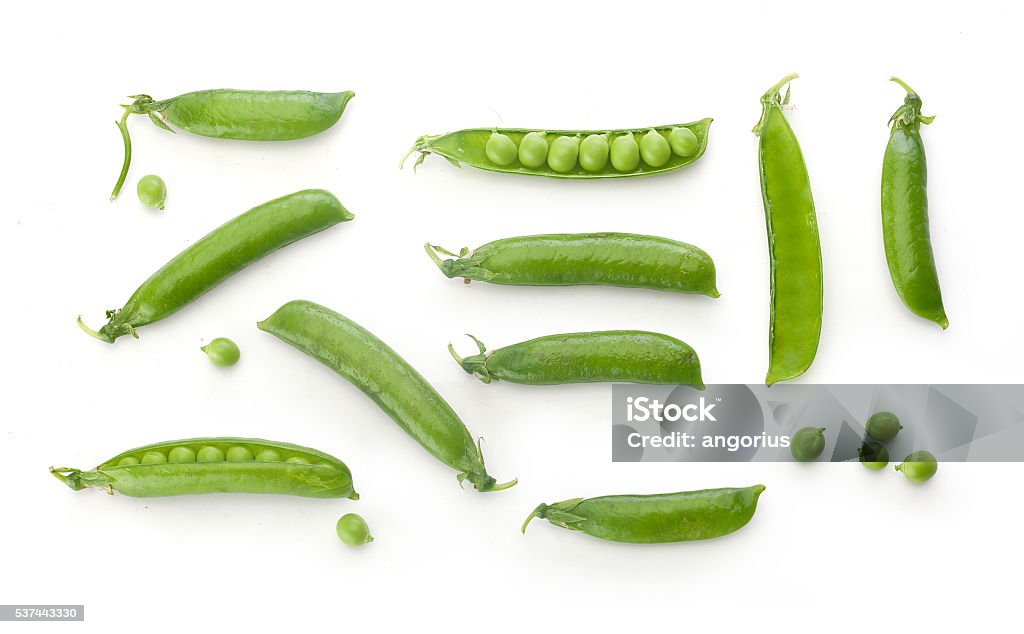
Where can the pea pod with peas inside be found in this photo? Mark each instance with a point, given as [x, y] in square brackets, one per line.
[246, 115]
[794, 250]
[219, 255]
[580, 154]
[216, 465]
[606, 259]
[655, 519]
[395, 386]
[620, 356]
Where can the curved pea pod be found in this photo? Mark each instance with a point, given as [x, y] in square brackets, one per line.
[395, 386]
[219, 255]
[905, 230]
[470, 147]
[217, 465]
[605, 259]
[617, 356]
[655, 519]
[246, 115]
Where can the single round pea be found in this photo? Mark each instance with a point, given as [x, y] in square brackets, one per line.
[353, 531]
[919, 466]
[683, 141]
[563, 153]
[154, 457]
[268, 455]
[127, 461]
[808, 443]
[873, 455]
[654, 149]
[594, 152]
[222, 352]
[500, 149]
[297, 460]
[883, 426]
[625, 153]
[533, 150]
[210, 454]
[152, 191]
[181, 454]
[238, 453]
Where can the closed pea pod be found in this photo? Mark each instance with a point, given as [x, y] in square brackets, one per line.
[308, 473]
[563, 153]
[607, 259]
[594, 152]
[620, 356]
[655, 519]
[794, 249]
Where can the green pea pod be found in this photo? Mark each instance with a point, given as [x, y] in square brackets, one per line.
[794, 250]
[905, 232]
[390, 382]
[617, 356]
[219, 255]
[655, 519]
[607, 259]
[246, 115]
[216, 465]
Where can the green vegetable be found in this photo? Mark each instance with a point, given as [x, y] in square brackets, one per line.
[919, 466]
[390, 382]
[883, 426]
[608, 259]
[215, 465]
[222, 352]
[616, 356]
[655, 519]
[873, 455]
[247, 115]
[353, 531]
[152, 191]
[220, 254]
[479, 147]
[793, 248]
[908, 246]
[808, 443]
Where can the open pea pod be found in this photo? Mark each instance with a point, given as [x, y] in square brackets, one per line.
[581, 154]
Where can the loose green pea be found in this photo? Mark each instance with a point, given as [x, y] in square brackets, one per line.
[127, 461]
[533, 150]
[353, 531]
[563, 153]
[594, 152]
[683, 141]
[625, 153]
[919, 466]
[296, 460]
[222, 352]
[654, 149]
[239, 454]
[181, 454]
[152, 191]
[808, 443]
[268, 455]
[883, 426]
[500, 149]
[154, 457]
[873, 455]
[210, 454]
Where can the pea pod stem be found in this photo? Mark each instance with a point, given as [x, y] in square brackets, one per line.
[122, 126]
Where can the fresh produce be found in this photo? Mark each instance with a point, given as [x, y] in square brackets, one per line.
[353, 531]
[919, 466]
[883, 426]
[807, 444]
[222, 352]
[152, 191]
[873, 455]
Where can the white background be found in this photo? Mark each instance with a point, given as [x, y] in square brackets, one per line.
[832, 546]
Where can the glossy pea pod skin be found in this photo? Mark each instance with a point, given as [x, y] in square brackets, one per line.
[655, 519]
[470, 147]
[616, 356]
[390, 382]
[794, 248]
[220, 254]
[905, 230]
[186, 468]
[606, 259]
